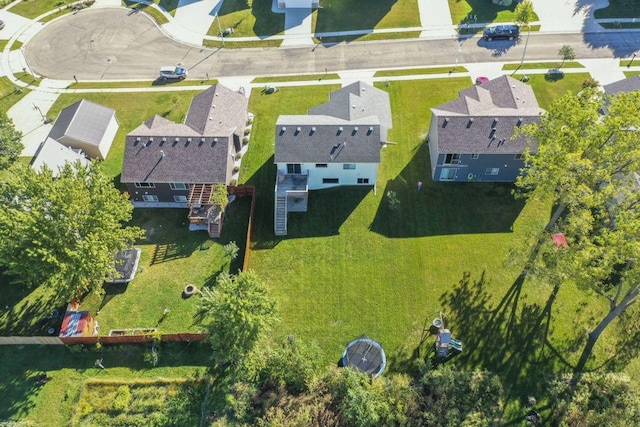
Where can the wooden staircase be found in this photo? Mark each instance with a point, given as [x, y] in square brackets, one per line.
[280, 216]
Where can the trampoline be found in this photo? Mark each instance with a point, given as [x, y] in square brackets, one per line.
[366, 356]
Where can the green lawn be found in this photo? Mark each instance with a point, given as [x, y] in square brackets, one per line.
[631, 73]
[302, 78]
[10, 94]
[34, 8]
[549, 87]
[55, 403]
[230, 44]
[416, 71]
[542, 65]
[247, 22]
[619, 9]
[484, 10]
[14, 46]
[153, 12]
[345, 15]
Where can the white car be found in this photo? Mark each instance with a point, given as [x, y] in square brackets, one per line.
[173, 72]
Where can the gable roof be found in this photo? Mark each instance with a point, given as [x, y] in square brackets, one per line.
[161, 151]
[630, 84]
[54, 155]
[324, 139]
[356, 101]
[347, 129]
[84, 121]
[483, 117]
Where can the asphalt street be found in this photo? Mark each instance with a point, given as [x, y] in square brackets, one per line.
[115, 44]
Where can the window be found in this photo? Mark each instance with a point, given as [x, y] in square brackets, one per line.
[179, 186]
[321, 165]
[180, 199]
[349, 166]
[452, 159]
[145, 185]
[519, 156]
[294, 168]
[448, 174]
[474, 156]
[330, 181]
[491, 171]
[149, 197]
[363, 180]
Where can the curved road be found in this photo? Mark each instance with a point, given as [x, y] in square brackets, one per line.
[115, 44]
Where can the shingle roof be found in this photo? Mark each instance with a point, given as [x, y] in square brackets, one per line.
[630, 84]
[356, 101]
[347, 129]
[318, 139]
[84, 121]
[483, 117]
[54, 155]
[162, 151]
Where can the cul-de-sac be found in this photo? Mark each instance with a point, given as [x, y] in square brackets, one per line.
[319, 213]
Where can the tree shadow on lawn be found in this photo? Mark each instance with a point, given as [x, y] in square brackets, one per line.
[444, 208]
[348, 15]
[484, 11]
[508, 338]
[168, 229]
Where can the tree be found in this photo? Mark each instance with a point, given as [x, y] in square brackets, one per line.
[587, 164]
[524, 15]
[230, 251]
[237, 313]
[10, 145]
[63, 232]
[567, 53]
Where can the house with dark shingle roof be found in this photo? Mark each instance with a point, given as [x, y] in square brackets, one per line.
[630, 84]
[169, 164]
[336, 144]
[472, 137]
[86, 126]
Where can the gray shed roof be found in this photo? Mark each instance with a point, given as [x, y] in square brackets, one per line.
[482, 119]
[84, 121]
[162, 151]
[54, 155]
[630, 84]
[324, 139]
[356, 101]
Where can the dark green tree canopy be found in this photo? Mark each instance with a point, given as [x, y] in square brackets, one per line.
[10, 141]
[63, 232]
[237, 313]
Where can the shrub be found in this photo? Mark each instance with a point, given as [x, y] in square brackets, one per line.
[123, 396]
[238, 156]
[236, 169]
[590, 82]
[245, 140]
[247, 131]
[233, 182]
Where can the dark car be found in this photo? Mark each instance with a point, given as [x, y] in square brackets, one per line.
[509, 32]
[1, 24]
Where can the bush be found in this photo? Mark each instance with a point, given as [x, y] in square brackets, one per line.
[245, 140]
[236, 169]
[233, 182]
[590, 82]
[123, 396]
[238, 156]
[247, 131]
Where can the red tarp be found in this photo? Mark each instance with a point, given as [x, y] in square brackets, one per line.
[76, 324]
[560, 241]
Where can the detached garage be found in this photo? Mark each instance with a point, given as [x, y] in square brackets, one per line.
[86, 126]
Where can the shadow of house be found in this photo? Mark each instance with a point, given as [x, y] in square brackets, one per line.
[349, 15]
[622, 44]
[267, 23]
[444, 208]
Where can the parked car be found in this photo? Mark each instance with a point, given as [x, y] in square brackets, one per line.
[1, 24]
[173, 72]
[501, 32]
[480, 80]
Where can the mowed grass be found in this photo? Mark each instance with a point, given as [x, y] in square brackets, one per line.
[132, 108]
[485, 11]
[345, 15]
[549, 87]
[153, 12]
[417, 71]
[10, 94]
[55, 403]
[35, 8]
[246, 21]
[619, 9]
[542, 65]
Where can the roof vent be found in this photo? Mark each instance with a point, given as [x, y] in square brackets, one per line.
[138, 139]
[353, 106]
[284, 128]
[445, 122]
[151, 139]
[177, 139]
[188, 139]
[164, 139]
[162, 154]
[213, 105]
[217, 94]
[215, 139]
[495, 122]
[313, 128]
[340, 130]
[355, 128]
[202, 140]
[519, 121]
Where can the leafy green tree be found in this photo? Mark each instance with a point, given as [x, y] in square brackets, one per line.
[601, 399]
[237, 313]
[63, 232]
[567, 53]
[587, 164]
[10, 142]
[230, 251]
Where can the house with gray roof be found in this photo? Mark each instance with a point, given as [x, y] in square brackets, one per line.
[472, 138]
[336, 144]
[53, 155]
[86, 126]
[630, 84]
[178, 165]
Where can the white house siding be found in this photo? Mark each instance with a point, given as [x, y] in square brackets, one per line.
[364, 171]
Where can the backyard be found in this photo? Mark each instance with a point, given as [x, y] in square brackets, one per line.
[348, 266]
